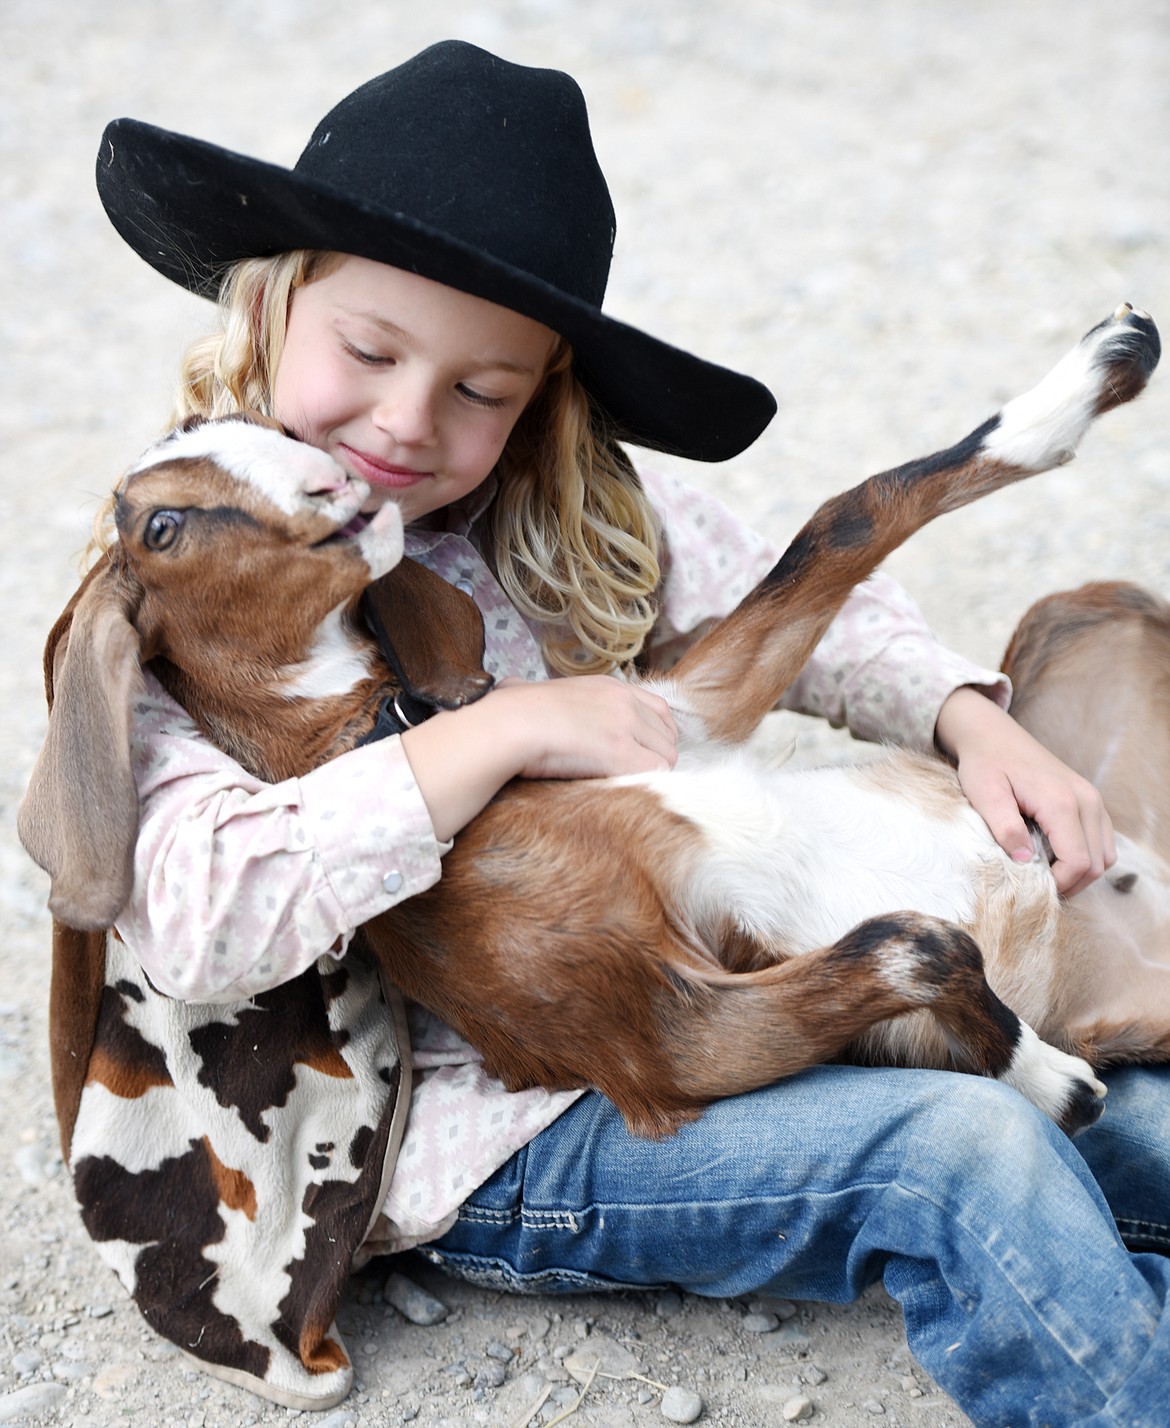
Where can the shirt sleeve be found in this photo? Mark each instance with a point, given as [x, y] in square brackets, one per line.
[878, 671]
[240, 885]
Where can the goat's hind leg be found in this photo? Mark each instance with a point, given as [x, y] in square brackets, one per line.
[941, 966]
[736, 673]
[854, 1000]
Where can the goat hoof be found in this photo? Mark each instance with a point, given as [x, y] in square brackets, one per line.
[1084, 1107]
[1064, 1087]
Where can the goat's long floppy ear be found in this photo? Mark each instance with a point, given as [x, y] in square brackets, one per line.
[79, 817]
[436, 632]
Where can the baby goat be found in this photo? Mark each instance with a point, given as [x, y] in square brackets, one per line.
[668, 938]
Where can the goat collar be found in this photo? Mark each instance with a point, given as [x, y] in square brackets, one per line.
[409, 706]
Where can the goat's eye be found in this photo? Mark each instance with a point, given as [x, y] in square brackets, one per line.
[161, 529]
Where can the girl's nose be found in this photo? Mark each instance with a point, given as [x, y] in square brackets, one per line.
[407, 412]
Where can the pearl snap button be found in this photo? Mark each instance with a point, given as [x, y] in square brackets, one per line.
[392, 881]
[466, 586]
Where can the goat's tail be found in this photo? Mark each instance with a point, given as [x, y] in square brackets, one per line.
[735, 674]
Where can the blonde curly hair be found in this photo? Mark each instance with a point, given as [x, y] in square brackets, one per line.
[571, 534]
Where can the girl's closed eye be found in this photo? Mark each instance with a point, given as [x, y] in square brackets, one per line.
[480, 398]
[370, 359]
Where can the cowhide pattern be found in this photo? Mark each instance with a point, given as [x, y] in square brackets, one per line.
[229, 1159]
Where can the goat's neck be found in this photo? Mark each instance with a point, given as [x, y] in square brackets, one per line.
[278, 714]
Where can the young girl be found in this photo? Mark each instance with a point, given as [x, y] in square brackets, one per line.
[421, 297]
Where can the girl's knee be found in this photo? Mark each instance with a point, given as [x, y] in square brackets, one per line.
[976, 1140]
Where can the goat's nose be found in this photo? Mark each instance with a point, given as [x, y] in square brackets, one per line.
[319, 474]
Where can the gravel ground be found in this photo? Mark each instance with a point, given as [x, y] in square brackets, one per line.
[898, 214]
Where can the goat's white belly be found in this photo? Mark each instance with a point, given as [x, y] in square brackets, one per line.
[803, 856]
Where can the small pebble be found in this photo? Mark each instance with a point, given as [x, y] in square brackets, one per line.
[789, 1337]
[797, 1409]
[681, 1405]
[26, 1363]
[112, 1378]
[496, 1350]
[668, 1305]
[603, 1355]
[413, 1303]
[340, 1418]
[759, 1323]
[874, 1406]
[28, 1402]
[491, 1375]
[814, 1375]
[30, 1161]
[72, 1369]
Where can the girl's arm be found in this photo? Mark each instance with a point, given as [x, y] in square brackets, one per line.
[240, 885]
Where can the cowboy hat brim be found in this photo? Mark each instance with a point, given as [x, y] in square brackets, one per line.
[191, 209]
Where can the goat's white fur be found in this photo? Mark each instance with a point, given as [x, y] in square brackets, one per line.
[338, 660]
[801, 856]
[295, 477]
[1043, 1073]
[1042, 427]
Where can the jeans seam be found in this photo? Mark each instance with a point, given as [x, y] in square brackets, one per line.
[1153, 1230]
[534, 1219]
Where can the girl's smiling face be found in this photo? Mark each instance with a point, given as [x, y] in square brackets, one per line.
[412, 386]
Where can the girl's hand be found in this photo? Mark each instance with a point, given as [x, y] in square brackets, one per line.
[588, 726]
[1007, 775]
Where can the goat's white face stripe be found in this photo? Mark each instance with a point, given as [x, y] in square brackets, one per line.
[273, 464]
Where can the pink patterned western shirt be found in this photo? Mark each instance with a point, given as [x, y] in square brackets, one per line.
[240, 885]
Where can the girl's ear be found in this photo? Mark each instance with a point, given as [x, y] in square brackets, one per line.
[79, 817]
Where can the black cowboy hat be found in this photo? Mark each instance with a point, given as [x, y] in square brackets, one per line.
[466, 169]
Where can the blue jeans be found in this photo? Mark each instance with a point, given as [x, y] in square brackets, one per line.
[993, 1231]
